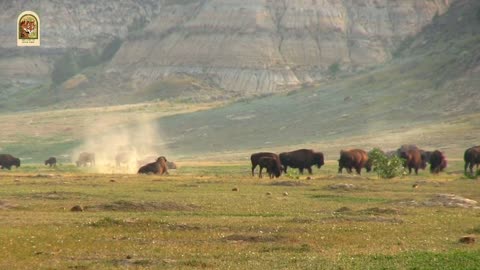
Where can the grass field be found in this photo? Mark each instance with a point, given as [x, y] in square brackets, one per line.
[192, 219]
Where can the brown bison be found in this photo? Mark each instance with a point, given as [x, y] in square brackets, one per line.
[255, 159]
[85, 159]
[472, 158]
[354, 158]
[7, 161]
[413, 160]
[301, 159]
[274, 168]
[51, 161]
[437, 161]
[157, 167]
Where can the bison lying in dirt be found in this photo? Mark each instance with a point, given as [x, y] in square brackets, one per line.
[51, 161]
[157, 167]
[354, 159]
[7, 161]
[301, 159]
[85, 159]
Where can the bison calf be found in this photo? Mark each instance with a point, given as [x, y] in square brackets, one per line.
[157, 167]
[51, 161]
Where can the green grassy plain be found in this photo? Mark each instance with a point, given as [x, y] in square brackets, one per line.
[192, 219]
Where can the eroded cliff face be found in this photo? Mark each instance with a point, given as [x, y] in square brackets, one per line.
[245, 46]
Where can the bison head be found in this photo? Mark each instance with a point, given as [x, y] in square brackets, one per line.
[16, 162]
[159, 159]
[319, 160]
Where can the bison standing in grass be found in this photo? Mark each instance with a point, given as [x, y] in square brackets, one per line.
[7, 161]
[86, 158]
[413, 159]
[301, 159]
[255, 159]
[437, 161]
[157, 167]
[272, 165]
[51, 161]
[354, 159]
[472, 158]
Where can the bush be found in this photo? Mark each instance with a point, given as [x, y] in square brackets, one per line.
[384, 166]
[334, 69]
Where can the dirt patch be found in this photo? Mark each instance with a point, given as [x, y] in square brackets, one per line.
[343, 186]
[4, 205]
[252, 238]
[57, 195]
[380, 211]
[302, 220]
[444, 200]
[380, 219]
[289, 183]
[343, 209]
[143, 206]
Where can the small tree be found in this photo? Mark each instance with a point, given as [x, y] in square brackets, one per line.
[384, 166]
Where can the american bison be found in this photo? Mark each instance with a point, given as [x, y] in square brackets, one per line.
[255, 158]
[301, 159]
[85, 159]
[413, 160]
[157, 167]
[437, 161]
[7, 161]
[274, 168]
[51, 161]
[472, 158]
[354, 158]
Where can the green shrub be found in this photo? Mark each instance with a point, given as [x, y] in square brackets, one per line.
[384, 166]
[334, 69]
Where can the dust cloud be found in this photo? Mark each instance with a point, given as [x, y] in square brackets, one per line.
[133, 145]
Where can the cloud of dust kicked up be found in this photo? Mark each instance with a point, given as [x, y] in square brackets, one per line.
[122, 149]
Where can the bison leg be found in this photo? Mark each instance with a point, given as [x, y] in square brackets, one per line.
[309, 170]
[285, 169]
[260, 172]
[300, 170]
[359, 170]
[253, 169]
[340, 169]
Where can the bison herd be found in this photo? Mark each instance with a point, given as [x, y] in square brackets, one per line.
[413, 158]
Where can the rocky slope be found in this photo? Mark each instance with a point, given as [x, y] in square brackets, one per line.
[238, 46]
